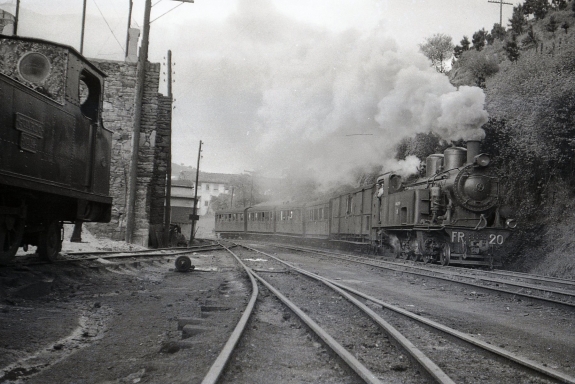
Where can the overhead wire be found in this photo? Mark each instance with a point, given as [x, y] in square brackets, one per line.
[110, 28]
[165, 13]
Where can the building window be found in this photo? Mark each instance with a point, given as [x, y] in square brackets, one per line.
[207, 187]
[206, 203]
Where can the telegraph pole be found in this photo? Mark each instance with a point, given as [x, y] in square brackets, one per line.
[500, 2]
[194, 215]
[142, 59]
[83, 27]
[16, 17]
[129, 25]
[168, 207]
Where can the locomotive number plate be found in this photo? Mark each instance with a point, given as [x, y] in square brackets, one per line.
[480, 239]
[28, 143]
[30, 126]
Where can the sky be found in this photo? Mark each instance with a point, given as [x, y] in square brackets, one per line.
[325, 87]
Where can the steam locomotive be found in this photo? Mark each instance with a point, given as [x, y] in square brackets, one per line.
[55, 152]
[452, 215]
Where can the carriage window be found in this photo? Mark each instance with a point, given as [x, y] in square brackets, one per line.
[89, 95]
[349, 209]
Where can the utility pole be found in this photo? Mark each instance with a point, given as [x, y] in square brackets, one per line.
[16, 17]
[142, 59]
[194, 216]
[83, 27]
[168, 207]
[500, 2]
[129, 25]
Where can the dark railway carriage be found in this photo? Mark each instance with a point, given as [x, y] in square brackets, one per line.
[261, 218]
[316, 220]
[55, 152]
[231, 221]
[290, 219]
[351, 215]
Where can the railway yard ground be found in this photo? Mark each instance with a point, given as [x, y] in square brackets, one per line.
[139, 320]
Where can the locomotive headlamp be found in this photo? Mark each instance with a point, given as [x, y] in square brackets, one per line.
[482, 160]
[511, 223]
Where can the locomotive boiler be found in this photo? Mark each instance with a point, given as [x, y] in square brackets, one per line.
[452, 215]
[55, 151]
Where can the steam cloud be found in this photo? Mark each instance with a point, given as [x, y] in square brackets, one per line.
[338, 102]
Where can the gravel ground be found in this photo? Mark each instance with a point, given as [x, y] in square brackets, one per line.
[96, 322]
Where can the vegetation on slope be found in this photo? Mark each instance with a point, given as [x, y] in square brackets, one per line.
[527, 74]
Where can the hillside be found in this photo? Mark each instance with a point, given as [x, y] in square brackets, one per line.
[527, 75]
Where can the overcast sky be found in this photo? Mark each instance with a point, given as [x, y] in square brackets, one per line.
[267, 84]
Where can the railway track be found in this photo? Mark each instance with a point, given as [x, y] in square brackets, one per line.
[71, 257]
[558, 292]
[436, 351]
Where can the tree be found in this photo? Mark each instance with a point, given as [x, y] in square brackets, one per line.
[498, 32]
[465, 43]
[478, 39]
[459, 49]
[552, 25]
[512, 49]
[438, 49]
[220, 202]
[531, 40]
[559, 4]
[537, 8]
[518, 20]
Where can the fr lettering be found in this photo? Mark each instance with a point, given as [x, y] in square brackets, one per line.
[457, 237]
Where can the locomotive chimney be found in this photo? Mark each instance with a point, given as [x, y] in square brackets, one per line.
[473, 148]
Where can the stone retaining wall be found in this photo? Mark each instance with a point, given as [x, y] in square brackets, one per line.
[118, 116]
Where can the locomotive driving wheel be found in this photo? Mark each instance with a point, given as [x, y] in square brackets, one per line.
[11, 232]
[445, 254]
[50, 241]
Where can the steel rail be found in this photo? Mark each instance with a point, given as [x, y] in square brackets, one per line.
[403, 269]
[466, 271]
[114, 255]
[190, 249]
[128, 256]
[345, 355]
[540, 368]
[223, 358]
[418, 356]
[527, 363]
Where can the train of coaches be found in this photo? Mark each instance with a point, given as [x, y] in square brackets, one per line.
[452, 215]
